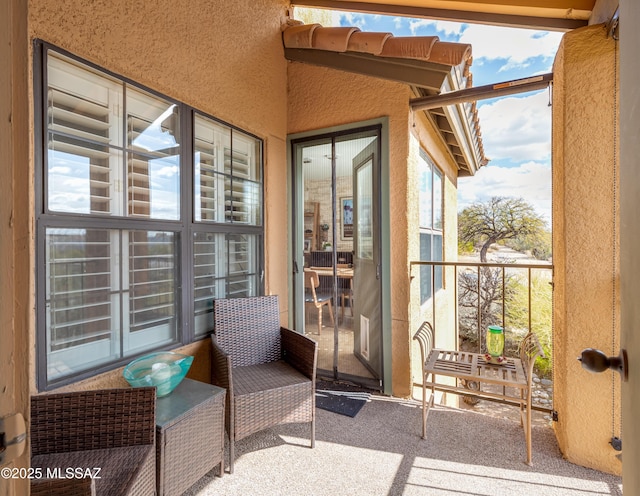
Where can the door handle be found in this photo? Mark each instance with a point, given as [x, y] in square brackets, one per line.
[597, 361]
[13, 437]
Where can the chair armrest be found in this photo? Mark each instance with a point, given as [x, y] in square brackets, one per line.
[299, 351]
[220, 367]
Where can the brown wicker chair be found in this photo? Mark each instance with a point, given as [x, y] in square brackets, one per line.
[268, 370]
[112, 429]
[84, 486]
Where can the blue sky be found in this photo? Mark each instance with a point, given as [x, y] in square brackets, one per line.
[516, 130]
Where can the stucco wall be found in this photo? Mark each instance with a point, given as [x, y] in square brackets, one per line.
[585, 247]
[445, 328]
[227, 62]
[321, 98]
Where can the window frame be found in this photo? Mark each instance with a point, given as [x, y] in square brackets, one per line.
[431, 230]
[184, 227]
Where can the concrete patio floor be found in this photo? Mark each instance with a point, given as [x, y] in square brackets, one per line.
[380, 452]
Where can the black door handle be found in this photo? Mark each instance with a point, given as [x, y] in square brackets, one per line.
[597, 361]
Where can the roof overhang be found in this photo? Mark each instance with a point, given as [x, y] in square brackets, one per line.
[425, 64]
[459, 129]
[451, 107]
[427, 75]
[559, 15]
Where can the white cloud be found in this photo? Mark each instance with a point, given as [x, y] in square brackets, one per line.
[517, 128]
[531, 181]
[353, 19]
[446, 28]
[58, 169]
[517, 46]
[168, 171]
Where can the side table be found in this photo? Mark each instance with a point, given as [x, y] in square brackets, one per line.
[189, 435]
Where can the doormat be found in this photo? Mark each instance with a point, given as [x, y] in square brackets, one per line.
[346, 403]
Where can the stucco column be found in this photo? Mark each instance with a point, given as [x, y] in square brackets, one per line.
[15, 288]
[586, 245]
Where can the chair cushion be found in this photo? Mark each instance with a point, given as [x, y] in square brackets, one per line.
[270, 394]
[265, 377]
[119, 468]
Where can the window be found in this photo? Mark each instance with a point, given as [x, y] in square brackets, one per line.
[431, 211]
[147, 211]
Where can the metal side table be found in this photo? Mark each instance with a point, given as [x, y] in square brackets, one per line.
[189, 435]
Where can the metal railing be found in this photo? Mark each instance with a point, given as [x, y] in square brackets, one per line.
[494, 287]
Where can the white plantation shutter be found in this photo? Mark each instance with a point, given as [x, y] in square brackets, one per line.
[83, 125]
[209, 280]
[228, 191]
[210, 141]
[82, 314]
[99, 308]
[151, 279]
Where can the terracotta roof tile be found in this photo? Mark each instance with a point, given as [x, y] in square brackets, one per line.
[409, 47]
[368, 42]
[451, 53]
[333, 39]
[299, 35]
[342, 39]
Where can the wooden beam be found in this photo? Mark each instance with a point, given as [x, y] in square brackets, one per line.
[482, 92]
[492, 18]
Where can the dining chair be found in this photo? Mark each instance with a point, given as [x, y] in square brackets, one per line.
[346, 293]
[317, 298]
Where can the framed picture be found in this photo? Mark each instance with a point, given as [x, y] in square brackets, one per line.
[307, 245]
[346, 218]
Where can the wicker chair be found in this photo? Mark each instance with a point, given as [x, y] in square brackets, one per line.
[268, 370]
[112, 429]
[82, 486]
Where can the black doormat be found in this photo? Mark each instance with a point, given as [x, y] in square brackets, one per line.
[346, 403]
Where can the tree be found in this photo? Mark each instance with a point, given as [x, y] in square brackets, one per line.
[500, 218]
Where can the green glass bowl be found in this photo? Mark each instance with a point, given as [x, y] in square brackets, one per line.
[164, 370]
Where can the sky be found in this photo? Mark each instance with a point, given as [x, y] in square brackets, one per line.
[516, 130]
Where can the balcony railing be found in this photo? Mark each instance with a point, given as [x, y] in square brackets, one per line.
[516, 296]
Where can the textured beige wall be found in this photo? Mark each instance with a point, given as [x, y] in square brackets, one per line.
[445, 329]
[586, 248]
[224, 59]
[321, 98]
[427, 138]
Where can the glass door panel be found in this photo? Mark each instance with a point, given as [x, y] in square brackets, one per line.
[325, 235]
